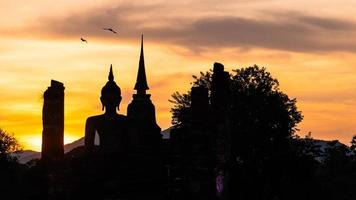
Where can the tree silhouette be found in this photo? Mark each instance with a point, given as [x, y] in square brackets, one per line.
[181, 109]
[262, 121]
[8, 144]
[260, 114]
[10, 169]
[353, 143]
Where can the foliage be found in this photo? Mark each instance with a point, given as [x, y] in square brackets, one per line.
[8, 143]
[181, 109]
[257, 106]
[11, 175]
[260, 112]
[353, 143]
[262, 121]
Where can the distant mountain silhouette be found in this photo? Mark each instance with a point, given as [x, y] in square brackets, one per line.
[166, 133]
[28, 155]
[323, 146]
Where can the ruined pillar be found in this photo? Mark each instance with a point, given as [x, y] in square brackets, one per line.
[53, 123]
[199, 106]
[220, 102]
[201, 138]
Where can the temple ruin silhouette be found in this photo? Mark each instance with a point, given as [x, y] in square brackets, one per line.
[132, 160]
[112, 128]
[232, 137]
[141, 110]
[53, 122]
[199, 151]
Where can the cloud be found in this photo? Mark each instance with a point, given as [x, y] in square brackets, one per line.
[288, 31]
[302, 34]
[328, 23]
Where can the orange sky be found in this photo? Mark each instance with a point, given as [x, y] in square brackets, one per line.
[310, 47]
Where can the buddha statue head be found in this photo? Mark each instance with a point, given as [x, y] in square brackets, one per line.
[110, 94]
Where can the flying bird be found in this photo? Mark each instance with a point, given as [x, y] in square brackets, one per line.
[83, 40]
[110, 29]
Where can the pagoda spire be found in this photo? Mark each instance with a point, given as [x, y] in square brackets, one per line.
[111, 74]
[141, 81]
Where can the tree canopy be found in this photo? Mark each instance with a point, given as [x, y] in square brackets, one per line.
[262, 122]
[8, 144]
[256, 105]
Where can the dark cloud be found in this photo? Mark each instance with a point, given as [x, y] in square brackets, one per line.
[315, 35]
[285, 31]
[328, 23]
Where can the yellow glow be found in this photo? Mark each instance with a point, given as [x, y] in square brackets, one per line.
[325, 94]
[34, 142]
[323, 83]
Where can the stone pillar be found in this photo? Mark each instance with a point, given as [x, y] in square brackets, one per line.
[199, 106]
[201, 138]
[53, 123]
[220, 102]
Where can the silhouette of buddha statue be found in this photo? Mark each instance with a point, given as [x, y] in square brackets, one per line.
[111, 127]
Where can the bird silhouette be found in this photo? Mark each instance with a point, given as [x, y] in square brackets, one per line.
[110, 29]
[83, 40]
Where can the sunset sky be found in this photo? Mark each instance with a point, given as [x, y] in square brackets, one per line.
[308, 45]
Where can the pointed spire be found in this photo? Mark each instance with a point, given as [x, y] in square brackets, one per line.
[111, 74]
[141, 81]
